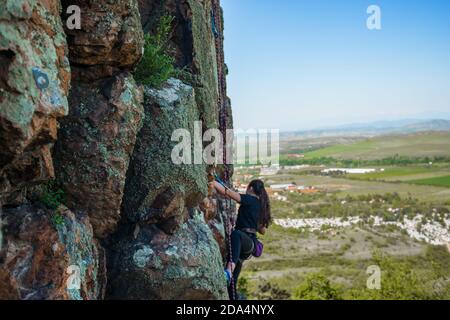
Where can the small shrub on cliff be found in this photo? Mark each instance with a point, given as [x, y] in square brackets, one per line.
[52, 196]
[157, 65]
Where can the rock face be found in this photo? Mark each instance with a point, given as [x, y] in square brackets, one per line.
[95, 143]
[97, 139]
[110, 40]
[34, 80]
[130, 222]
[42, 252]
[193, 41]
[154, 265]
[158, 190]
[221, 221]
[161, 252]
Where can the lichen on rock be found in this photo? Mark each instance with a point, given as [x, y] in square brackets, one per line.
[95, 143]
[38, 252]
[34, 81]
[108, 142]
[157, 190]
[154, 265]
[111, 36]
[97, 138]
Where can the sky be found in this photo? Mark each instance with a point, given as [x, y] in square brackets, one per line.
[298, 65]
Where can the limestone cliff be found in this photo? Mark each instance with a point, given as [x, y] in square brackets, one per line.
[91, 205]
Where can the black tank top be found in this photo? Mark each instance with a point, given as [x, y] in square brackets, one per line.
[249, 212]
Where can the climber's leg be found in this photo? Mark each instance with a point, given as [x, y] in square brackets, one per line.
[235, 249]
[237, 271]
[236, 243]
[241, 247]
[235, 239]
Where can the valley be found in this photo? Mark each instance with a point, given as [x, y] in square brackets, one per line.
[394, 214]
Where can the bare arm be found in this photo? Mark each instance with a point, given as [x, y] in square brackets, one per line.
[227, 192]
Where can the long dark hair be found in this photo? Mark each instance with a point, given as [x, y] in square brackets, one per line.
[265, 218]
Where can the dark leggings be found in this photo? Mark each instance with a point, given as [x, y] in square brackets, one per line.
[241, 249]
[241, 246]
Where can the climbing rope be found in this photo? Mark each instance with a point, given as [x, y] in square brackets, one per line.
[229, 225]
[213, 25]
[217, 26]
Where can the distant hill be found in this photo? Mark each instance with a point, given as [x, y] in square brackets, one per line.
[376, 128]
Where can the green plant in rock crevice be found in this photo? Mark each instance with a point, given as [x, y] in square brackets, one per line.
[57, 219]
[157, 65]
[52, 196]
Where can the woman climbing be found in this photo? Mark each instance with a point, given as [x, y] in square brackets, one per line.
[253, 217]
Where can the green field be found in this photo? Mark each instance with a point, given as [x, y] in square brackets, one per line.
[343, 186]
[437, 181]
[411, 145]
[421, 175]
[394, 173]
